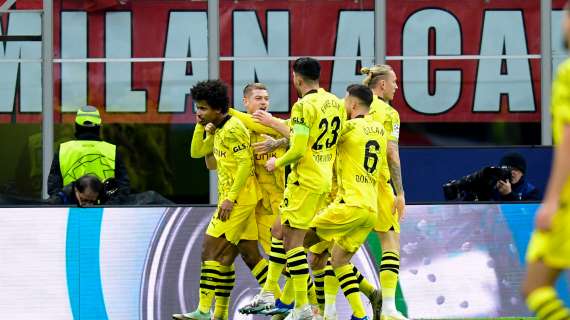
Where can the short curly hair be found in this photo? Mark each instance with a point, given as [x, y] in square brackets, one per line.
[214, 92]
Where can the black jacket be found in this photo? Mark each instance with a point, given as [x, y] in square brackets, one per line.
[55, 179]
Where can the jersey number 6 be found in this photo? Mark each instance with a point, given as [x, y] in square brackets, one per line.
[371, 155]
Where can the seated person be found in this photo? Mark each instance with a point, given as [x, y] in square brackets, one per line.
[88, 190]
[517, 188]
[84, 192]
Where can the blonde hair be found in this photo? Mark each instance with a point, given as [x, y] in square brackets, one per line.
[253, 86]
[374, 74]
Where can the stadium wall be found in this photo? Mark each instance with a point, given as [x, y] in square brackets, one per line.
[458, 261]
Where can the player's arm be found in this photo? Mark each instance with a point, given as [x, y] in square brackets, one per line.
[211, 162]
[239, 144]
[268, 120]
[393, 157]
[251, 124]
[202, 142]
[297, 146]
[269, 144]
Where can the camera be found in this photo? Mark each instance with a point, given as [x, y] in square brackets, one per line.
[477, 186]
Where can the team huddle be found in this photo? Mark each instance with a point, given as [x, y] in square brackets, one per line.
[318, 182]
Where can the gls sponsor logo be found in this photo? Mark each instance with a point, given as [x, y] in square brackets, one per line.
[298, 120]
[242, 146]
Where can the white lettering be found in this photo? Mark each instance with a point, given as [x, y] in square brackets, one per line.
[249, 42]
[354, 38]
[23, 24]
[415, 73]
[118, 84]
[187, 37]
[503, 33]
[73, 46]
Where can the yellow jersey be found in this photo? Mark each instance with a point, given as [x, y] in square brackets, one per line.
[234, 157]
[561, 111]
[360, 153]
[275, 179]
[390, 119]
[320, 111]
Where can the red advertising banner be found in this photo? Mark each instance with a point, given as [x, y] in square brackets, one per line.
[456, 61]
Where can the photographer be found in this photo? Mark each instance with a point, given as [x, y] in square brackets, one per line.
[83, 192]
[505, 182]
[517, 188]
[88, 191]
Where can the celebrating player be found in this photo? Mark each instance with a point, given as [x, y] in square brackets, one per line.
[234, 219]
[383, 82]
[316, 127]
[352, 215]
[549, 248]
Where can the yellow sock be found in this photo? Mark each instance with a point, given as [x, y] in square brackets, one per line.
[331, 285]
[299, 269]
[259, 272]
[226, 281]
[288, 295]
[208, 276]
[347, 280]
[277, 262]
[544, 302]
[363, 284]
[311, 291]
[319, 280]
[389, 269]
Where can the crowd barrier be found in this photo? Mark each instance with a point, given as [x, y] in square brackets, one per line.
[457, 261]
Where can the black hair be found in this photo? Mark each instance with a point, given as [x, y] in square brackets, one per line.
[82, 130]
[361, 92]
[308, 68]
[90, 182]
[214, 92]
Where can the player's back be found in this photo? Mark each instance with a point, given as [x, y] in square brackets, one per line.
[232, 148]
[360, 152]
[561, 112]
[320, 111]
[390, 120]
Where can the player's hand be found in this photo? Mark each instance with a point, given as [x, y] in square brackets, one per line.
[504, 187]
[210, 128]
[263, 117]
[399, 206]
[265, 146]
[545, 215]
[225, 209]
[270, 164]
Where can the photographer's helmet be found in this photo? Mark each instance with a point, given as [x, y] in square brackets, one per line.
[514, 160]
[88, 116]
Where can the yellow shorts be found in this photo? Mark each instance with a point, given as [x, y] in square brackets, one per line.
[386, 220]
[345, 225]
[553, 247]
[300, 205]
[240, 226]
[266, 212]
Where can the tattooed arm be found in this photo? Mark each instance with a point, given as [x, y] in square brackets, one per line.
[396, 177]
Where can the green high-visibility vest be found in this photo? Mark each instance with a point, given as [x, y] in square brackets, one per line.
[81, 157]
